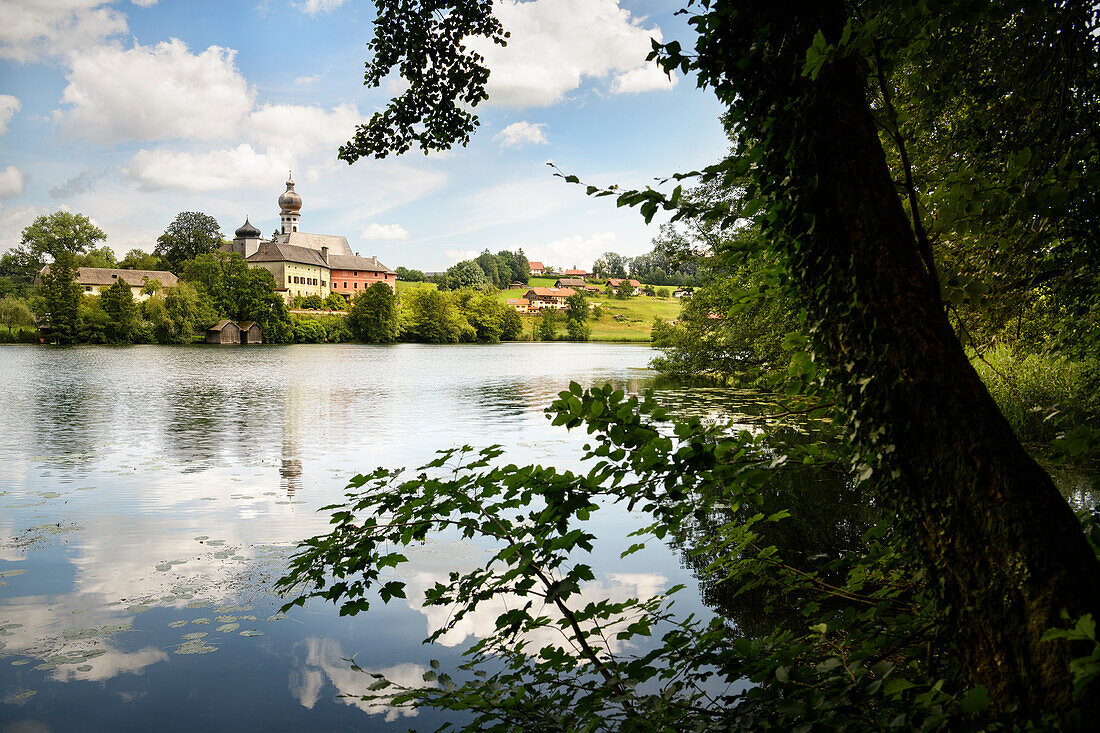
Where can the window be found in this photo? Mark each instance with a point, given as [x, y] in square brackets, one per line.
[355, 274]
[345, 285]
[87, 288]
[355, 285]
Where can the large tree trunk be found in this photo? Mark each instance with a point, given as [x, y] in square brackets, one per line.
[1001, 544]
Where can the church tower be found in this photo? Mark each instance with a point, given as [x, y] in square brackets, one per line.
[290, 206]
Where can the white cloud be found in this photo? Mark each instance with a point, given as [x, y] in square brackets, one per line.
[569, 251]
[217, 169]
[41, 30]
[555, 44]
[518, 134]
[303, 129]
[458, 255]
[643, 79]
[154, 93]
[325, 658]
[384, 231]
[144, 3]
[313, 7]
[11, 182]
[17, 218]
[9, 105]
[306, 80]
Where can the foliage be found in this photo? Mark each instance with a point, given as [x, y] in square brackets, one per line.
[15, 313]
[412, 276]
[547, 327]
[576, 308]
[373, 315]
[467, 274]
[61, 298]
[239, 292]
[335, 302]
[136, 259]
[577, 330]
[176, 313]
[52, 235]
[190, 234]
[307, 330]
[556, 660]
[103, 257]
[662, 292]
[431, 317]
[121, 309]
[610, 264]
[311, 302]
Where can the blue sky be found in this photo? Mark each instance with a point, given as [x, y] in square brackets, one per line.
[130, 112]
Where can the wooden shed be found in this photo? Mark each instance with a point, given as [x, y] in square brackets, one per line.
[251, 333]
[223, 332]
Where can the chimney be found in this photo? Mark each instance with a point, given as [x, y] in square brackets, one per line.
[324, 254]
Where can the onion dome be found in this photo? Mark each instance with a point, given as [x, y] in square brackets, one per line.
[247, 231]
[290, 202]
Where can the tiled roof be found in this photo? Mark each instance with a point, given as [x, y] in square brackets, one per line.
[571, 282]
[279, 252]
[551, 292]
[336, 245]
[582, 273]
[535, 265]
[352, 262]
[518, 301]
[108, 276]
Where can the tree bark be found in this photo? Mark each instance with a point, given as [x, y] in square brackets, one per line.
[1001, 545]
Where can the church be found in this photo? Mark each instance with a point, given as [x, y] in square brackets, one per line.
[306, 264]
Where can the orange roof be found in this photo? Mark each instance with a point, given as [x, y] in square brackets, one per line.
[635, 283]
[535, 265]
[518, 301]
[576, 272]
[551, 292]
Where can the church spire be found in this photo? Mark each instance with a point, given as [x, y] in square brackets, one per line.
[290, 206]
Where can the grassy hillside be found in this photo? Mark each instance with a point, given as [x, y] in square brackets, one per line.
[635, 315]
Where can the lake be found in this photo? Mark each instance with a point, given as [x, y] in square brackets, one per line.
[149, 498]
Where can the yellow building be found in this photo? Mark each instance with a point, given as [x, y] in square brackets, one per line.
[298, 271]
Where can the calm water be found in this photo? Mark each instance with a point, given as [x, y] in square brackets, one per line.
[152, 494]
[149, 497]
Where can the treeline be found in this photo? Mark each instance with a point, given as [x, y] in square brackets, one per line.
[663, 265]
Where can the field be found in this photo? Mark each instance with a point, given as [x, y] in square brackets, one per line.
[635, 320]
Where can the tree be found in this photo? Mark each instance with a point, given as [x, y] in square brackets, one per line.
[240, 292]
[373, 315]
[98, 257]
[15, 313]
[335, 302]
[610, 264]
[547, 324]
[795, 80]
[577, 330]
[136, 259]
[412, 276]
[431, 317]
[54, 234]
[662, 293]
[576, 308]
[310, 302]
[61, 298]
[466, 274]
[190, 234]
[176, 314]
[118, 303]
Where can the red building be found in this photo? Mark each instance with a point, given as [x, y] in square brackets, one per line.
[352, 274]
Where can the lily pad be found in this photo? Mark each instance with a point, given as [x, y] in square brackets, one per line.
[12, 573]
[25, 695]
[195, 635]
[198, 604]
[84, 668]
[21, 662]
[202, 537]
[196, 646]
[140, 608]
[177, 624]
[200, 621]
[225, 619]
[252, 632]
[78, 633]
[164, 567]
[226, 628]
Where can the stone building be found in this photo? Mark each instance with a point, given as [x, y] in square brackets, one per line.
[94, 280]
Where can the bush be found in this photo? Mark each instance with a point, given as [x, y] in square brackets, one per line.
[1038, 394]
[578, 330]
[336, 302]
[309, 302]
[308, 330]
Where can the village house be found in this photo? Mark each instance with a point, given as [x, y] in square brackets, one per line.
[569, 282]
[540, 298]
[536, 268]
[522, 305]
[304, 263]
[682, 293]
[94, 280]
[632, 286]
[582, 274]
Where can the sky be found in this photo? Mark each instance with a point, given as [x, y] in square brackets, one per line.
[130, 112]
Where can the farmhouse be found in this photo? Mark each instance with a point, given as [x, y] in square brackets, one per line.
[94, 280]
[582, 274]
[536, 268]
[522, 305]
[540, 298]
[569, 282]
[632, 286]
